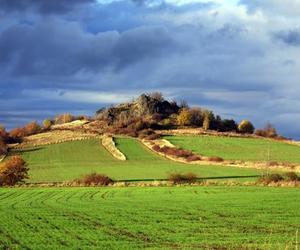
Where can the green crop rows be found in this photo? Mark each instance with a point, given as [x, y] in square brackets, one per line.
[157, 218]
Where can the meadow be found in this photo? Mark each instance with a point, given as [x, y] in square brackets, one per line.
[69, 160]
[155, 218]
[247, 149]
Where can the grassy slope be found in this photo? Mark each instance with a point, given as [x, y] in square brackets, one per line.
[66, 161]
[239, 148]
[159, 218]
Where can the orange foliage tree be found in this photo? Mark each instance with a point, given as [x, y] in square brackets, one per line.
[13, 171]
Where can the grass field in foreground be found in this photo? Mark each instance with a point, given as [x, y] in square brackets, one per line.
[69, 160]
[157, 218]
[230, 148]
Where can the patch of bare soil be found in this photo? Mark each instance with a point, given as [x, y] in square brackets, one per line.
[109, 144]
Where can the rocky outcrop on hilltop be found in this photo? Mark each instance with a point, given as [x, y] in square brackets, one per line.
[144, 105]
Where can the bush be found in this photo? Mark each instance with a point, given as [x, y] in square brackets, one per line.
[156, 148]
[17, 134]
[268, 131]
[3, 134]
[32, 128]
[182, 178]
[193, 158]
[13, 171]
[139, 125]
[3, 147]
[47, 124]
[188, 155]
[246, 127]
[146, 132]
[152, 137]
[215, 158]
[95, 179]
[292, 176]
[63, 118]
[176, 152]
[269, 178]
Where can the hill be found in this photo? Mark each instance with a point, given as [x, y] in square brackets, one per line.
[69, 160]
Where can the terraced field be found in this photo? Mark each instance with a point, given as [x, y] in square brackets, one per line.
[248, 149]
[70, 160]
[157, 218]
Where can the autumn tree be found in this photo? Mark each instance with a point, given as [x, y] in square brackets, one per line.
[246, 127]
[184, 117]
[32, 128]
[13, 171]
[63, 118]
[17, 134]
[47, 124]
[208, 118]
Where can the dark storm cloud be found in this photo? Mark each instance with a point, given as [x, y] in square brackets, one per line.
[63, 49]
[41, 6]
[289, 37]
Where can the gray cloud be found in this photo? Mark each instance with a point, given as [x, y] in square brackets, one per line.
[289, 37]
[41, 6]
[63, 49]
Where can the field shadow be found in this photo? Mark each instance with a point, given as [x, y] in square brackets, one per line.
[25, 150]
[203, 178]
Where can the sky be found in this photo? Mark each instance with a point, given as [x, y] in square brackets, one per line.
[240, 58]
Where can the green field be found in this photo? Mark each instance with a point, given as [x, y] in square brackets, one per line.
[156, 218]
[247, 149]
[69, 160]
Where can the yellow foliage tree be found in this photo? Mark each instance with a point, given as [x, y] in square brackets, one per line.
[184, 117]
